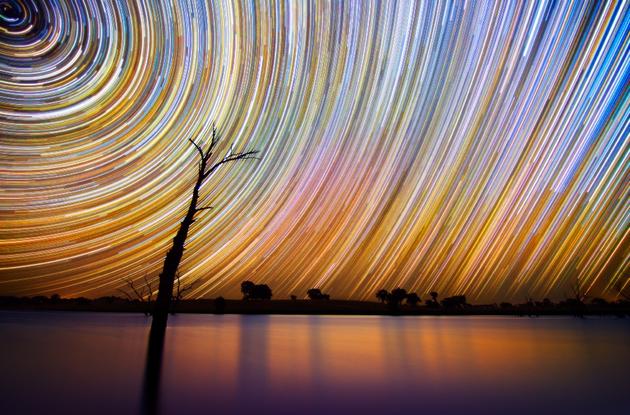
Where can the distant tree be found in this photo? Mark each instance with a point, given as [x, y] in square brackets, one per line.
[577, 302]
[262, 292]
[382, 295]
[397, 296]
[293, 297]
[578, 294]
[180, 290]
[433, 302]
[253, 291]
[247, 288]
[316, 294]
[143, 293]
[529, 302]
[413, 299]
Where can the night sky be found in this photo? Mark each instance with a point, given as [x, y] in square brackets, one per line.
[476, 148]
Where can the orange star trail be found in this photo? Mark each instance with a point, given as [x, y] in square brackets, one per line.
[468, 147]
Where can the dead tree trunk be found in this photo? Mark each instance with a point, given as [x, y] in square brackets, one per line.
[175, 254]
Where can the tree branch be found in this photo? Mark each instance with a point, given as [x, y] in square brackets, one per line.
[198, 148]
[203, 208]
[214, 140]
[248, 155]
[180, 290]
[130, 298]
[149, 288]
[139, 294]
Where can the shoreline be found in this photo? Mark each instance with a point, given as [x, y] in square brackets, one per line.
[309, 307]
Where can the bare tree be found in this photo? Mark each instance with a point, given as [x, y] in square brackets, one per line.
[174, 256]
[180, 290]
[578, 294]
[143, 294]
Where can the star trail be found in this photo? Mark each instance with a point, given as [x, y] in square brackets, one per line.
[468, 147]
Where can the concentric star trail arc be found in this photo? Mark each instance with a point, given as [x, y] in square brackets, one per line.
[476, 148]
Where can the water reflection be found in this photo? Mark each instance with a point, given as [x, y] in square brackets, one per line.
[308, 364]
[153, 369]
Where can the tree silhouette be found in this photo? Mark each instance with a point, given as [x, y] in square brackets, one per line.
[253, 291]
[174, 255]
[140, 294]
[317, 294]
[413, 299]
[433, 302]
[397, 296]
[169, 271]
[382, 295]
[247, 288]
[180, 290]
[577, 302]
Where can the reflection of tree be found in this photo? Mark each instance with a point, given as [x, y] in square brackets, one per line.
[253, 373]
[152, 371]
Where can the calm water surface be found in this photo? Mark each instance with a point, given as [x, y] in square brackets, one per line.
[93, 363]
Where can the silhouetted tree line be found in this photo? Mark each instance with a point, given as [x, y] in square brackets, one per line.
[138, 298]
[575, 305]
[396, 297]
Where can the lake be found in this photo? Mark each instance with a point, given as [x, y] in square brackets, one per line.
[79, 363]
